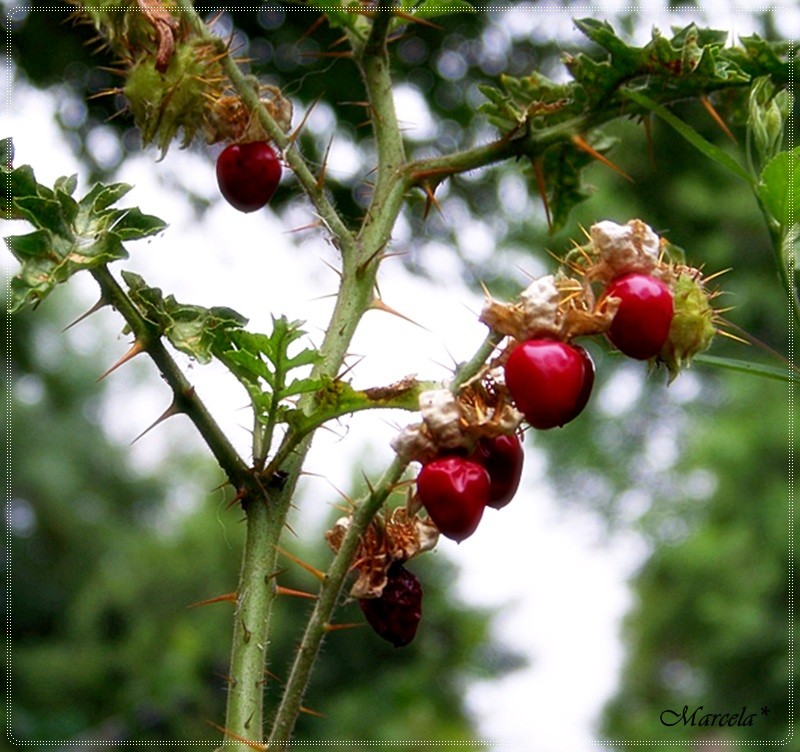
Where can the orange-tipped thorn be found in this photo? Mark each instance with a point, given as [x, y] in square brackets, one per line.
[312, 570]
[297, 131]
[323, 171]
[430, 201]
[337, 627]
[136, 348]
[225, 598]
[648, 134]
[538, 171]
[280, 590]
[238, 496]
[715, 116]
[584, 145]
[378, 305]
[172, 410]
[102, 303]
[243, 740]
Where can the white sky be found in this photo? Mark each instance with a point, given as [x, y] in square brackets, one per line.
[566, 588]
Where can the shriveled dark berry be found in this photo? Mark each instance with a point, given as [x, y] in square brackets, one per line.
[395, 615]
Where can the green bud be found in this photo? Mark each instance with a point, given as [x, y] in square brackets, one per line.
[177, 99]
[692, 328]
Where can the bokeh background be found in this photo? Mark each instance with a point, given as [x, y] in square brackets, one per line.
[645, 564]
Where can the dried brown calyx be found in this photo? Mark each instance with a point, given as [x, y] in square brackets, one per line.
[386, 541]
[455, 422]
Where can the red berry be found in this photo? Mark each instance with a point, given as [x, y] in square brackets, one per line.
[549, 381]
[502, 457]
[454, 491]
[248, 175]
[395, 615]
[641, 324]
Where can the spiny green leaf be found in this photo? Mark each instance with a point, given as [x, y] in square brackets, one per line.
[197, 331]
[70, 235]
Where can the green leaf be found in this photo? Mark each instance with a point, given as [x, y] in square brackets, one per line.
[197, 331]
[710, 150]
[262, 363]
[779, 186]
[33, 245]
[70, 235]
[46, 213]
[744, 366]
[131, 224]
[104, 196]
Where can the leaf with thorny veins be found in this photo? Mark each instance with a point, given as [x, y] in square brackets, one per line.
[69, 235]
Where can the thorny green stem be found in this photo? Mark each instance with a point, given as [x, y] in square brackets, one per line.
[331, 589]
[185, 398]
[327, 599]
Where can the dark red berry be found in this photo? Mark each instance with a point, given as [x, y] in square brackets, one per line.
[502, 457]
[248, 175]
[454, 491]
[549, 381]
[395, 615]
[641, 324]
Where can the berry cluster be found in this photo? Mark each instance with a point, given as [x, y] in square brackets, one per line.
[620, 286]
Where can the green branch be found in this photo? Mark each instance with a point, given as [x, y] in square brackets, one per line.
[184, 396]
[331, 589]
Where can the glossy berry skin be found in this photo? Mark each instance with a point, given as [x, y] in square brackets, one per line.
[248, 175]
[550, 381]
[396, 614]
[641, 324]
[502, 457]
[454, 491]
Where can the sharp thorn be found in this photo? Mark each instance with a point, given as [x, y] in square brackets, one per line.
[378, 305]
[309, 711]
[240, 494]
[320, 182]
[136, 348]
[94, 309]
[337, 627]
[541, 186]
[241, 739]
[312, 570]
[648, 133]
[296, 132]
[368, 482]
[225, 598]
[349, 368]
[280, 590]
[583, 145]
[172, 410]
[309, 226]
[715, 116]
